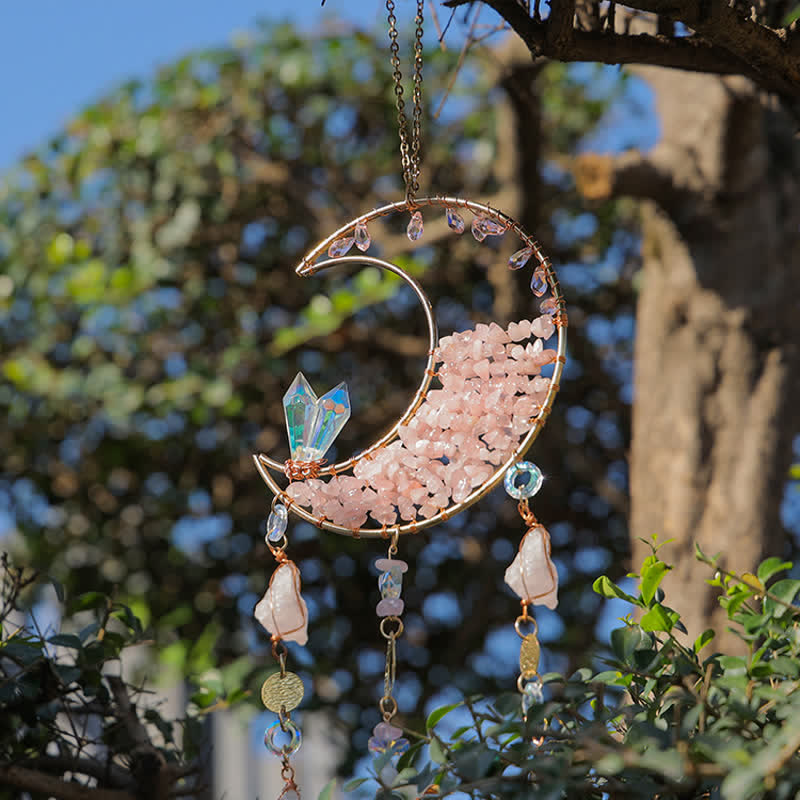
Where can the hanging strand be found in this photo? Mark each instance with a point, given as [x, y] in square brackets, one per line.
[409, 149]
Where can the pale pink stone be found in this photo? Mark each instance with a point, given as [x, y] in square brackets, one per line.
[461, 487]
[532, 575]
[282, 610]
[427, 510]
[517, 352]
[524, 406]
[384, 514]
[513, 332]
[476, 350]
[390, 607]
[406, 508]
[497, 334]
[525, 328]
[299, 492]
[543, 327]
[482, 369]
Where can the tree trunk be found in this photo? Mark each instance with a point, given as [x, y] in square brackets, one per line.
[717, 355]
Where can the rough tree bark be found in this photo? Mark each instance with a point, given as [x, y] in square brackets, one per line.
[717, 356]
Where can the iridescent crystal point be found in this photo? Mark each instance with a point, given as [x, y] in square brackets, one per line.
[332, 411]
[313, 423]
[299, 408]
[415, 226]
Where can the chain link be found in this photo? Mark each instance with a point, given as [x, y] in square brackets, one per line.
[409, 150]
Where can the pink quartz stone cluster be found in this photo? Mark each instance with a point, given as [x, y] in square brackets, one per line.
[491, 390]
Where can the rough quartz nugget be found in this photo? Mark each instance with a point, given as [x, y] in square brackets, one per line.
[390, 607]
[282, 610]
[532, 575]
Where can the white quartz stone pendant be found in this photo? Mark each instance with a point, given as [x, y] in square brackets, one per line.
[282, 610]
[532, 574]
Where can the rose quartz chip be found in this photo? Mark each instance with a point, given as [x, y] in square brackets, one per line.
[543, 327]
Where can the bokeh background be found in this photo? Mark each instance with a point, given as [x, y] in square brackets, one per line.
[165, 167]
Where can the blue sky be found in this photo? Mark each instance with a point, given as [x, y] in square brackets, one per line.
[56, 57]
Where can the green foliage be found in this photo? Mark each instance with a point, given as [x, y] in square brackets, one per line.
[67, 714]
[660, 719]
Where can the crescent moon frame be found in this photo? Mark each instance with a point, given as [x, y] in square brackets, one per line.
[310, 265]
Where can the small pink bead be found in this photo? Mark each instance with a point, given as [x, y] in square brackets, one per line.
[390, 607]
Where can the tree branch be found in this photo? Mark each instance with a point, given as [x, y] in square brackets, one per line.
[30, 780]
[724, 42]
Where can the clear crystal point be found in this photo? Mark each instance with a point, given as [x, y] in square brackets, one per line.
[455, 221]
[539, 282]
[332, 411]
[314, 423]
[299, 408]
[415, 227]
[520, 258]
[362, 237]
[339, 247]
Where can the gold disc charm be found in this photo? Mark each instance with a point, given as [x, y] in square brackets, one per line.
[529, 656]
[282, 692]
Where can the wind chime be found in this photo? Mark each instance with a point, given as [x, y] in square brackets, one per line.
[481, 403]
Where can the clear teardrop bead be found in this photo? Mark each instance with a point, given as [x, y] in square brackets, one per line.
[415, 226]
[339, 247]
[520, 258]
[539, 282]
[362, 237]
[455, 221]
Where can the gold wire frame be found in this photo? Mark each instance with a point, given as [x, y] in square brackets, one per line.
[309, 265]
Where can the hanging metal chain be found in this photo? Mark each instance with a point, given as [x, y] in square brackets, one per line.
[409, 148]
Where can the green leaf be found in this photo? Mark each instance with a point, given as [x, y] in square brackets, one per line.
[605, 587]
[439, 713]
[353, 784]
[328, 792]
[624, 641]
[659, 618]
[784, 590]
[66, 640]
[437, 752]
[651, 578]
[703, 639]
[771, 566]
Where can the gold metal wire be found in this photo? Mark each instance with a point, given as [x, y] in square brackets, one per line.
[310, 265]
[409, 151]
[387, 704]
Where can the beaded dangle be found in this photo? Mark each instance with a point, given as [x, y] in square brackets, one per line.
[482, 401]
